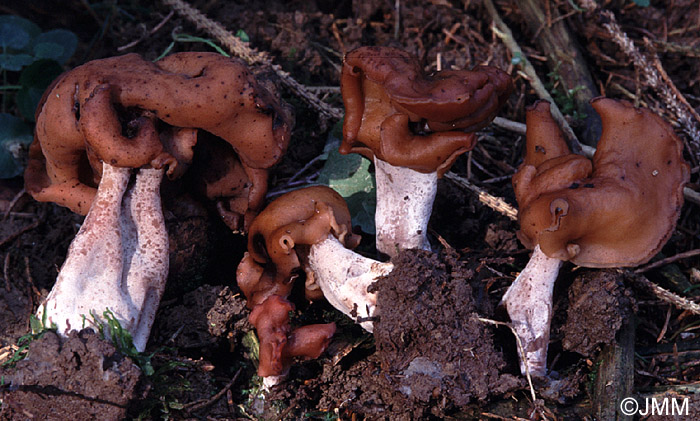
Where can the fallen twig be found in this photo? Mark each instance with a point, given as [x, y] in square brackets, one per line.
[503, 32]
[667, 296]
[250, 55]
[673, 99]
[19, 232]
[13, 203]
[495, 203]
[151, 32]
[667, 260]
[194, 406]
[513, 126]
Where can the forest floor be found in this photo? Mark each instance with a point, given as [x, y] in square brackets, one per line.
[613, 335]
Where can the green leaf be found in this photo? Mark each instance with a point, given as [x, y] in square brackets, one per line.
[34, 79]
[190, 38]
[13, 36]
[48, 50]
[15, 135]
[58, 44]
[642, 3]
[242, 35]
[15, 62]
[516, 59]
[40, 74]
[349, 175]
[17, 33]
[27, 100]
[35, 324]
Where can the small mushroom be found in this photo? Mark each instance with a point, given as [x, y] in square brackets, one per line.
[617, 210]
[306, 231]
[279, 344]
[101, 123]
[414, 126]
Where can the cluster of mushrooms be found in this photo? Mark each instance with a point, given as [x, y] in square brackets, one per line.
[109, 132]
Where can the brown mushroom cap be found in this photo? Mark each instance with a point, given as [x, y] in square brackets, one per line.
[319, 210]
[292, 222]
[80, 121]
[301, 217]
[279, 344]
[379, 82]
[618, 210]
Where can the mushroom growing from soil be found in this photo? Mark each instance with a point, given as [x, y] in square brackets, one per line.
[99, 123]
[305, 230]
[616, 210]
[413, 126]
[160, 106]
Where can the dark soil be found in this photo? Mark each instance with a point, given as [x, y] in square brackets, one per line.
[432, 346]
[599, 304]
[82, 377]
[431, 356]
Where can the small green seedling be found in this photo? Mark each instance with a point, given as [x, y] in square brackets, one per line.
[179, 37]
[38, 328]
[111, 329]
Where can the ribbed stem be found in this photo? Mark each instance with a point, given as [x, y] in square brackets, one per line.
[529, 305]
[344, 277]
[404, 203]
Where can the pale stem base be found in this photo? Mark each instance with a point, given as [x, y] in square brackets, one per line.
[344, 277]
[117, 261]
[404, 203]
[528, 302]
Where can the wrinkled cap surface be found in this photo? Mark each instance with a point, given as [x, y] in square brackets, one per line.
[378, 83]
[618, 209]
[303, 216]
[131, 112]
[299, 218]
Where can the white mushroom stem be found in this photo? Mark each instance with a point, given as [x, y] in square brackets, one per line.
[404, 203]
[528, 302]
[117, 261]
[344, 277]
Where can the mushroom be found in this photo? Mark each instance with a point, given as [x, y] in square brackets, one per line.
[279, 344]
[413, 126]
[108, 119]
[174, 97]
[617, 210]
[117, 261]
[305, 230]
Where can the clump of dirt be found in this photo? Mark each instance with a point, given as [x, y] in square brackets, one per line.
[200, 318]
[599, 304]
[432, 347]
[84, 378]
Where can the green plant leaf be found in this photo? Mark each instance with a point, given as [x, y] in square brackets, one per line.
[17, 33]
[13, 36]
[15, 62]
[15, 135]
[349, 175]
[58, 44]
[242, 35]
[642, 3]
[34, 80]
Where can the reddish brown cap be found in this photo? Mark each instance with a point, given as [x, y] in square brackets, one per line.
[379, 83]
[130, 112]
[619, 209]
[299, 218]
[279, 344]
